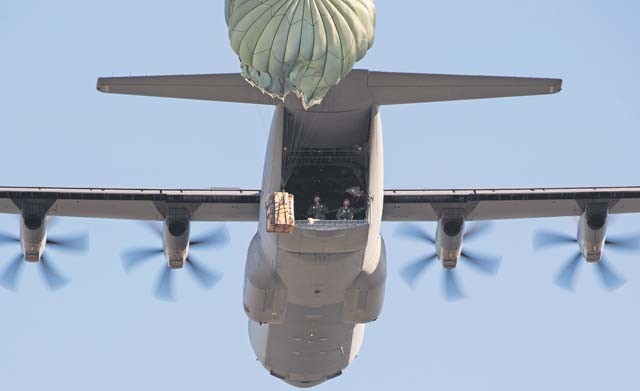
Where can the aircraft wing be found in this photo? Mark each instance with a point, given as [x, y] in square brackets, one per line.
[133, 204]
[244, 205]
[497, 204]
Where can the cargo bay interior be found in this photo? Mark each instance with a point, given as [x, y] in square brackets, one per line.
[327, 155]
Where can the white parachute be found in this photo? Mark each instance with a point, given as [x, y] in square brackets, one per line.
[300, 46]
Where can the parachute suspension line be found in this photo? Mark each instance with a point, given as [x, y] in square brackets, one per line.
[307, 127]
[291, 135]
[290, 143]
[286, 146]
[295, 135]
[258, 107]
[298, 133]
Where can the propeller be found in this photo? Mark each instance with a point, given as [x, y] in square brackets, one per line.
[52, 277]
[164, 288]
[567, 275]
[451, 287]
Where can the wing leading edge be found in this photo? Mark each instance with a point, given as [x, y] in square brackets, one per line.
[497, 204]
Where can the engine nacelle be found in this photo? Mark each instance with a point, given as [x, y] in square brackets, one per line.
[449, 240]
[175, 240]
[33, 235]
[592, 232]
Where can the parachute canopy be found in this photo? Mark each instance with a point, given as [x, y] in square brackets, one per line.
[300, 46]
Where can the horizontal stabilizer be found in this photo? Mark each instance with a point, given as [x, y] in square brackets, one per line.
[360, 89]
[402, 88]
[221, 87]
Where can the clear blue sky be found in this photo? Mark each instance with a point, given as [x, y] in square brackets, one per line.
[517, 331]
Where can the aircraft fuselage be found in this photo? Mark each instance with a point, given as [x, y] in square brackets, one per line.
[309, 294]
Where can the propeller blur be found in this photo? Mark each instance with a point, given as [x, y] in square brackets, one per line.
[164, 287]
[451, 286]
[567, 275]
[52, 277]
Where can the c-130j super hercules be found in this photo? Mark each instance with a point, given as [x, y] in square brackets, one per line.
[310, 291]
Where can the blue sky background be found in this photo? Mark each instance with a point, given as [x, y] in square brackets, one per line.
[517, 331]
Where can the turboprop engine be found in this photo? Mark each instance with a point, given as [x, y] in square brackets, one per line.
[592, 233]
[33, 236]
[591, 239]
[175, 235]
[33, 240]
[175, 239]
[449, 238]
[449, 249]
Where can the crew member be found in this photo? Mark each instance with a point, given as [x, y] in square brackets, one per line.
[345, 212]
[317, 210]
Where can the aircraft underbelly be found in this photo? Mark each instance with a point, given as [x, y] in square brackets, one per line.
[310, 347]
[329, 298]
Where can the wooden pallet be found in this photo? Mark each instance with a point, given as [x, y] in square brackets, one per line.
[280, 213]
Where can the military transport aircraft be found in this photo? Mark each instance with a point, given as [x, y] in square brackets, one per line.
[309, 294]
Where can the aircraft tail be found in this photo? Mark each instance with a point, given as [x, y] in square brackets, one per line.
[359, 89]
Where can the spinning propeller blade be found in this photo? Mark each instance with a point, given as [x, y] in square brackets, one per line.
[164, 289]
[9, 278]
[608, 277]
[567, 275]
[70, 243]
[623, 243]
[164, 286]
[550, 238]
[136, 257]
[414, 270]
[483, 263]
[477, 229]
[6, 238]
[451, 286]
[415, 232]
[52, 277]
[217, 237]
[155, 228]
[207, 278]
